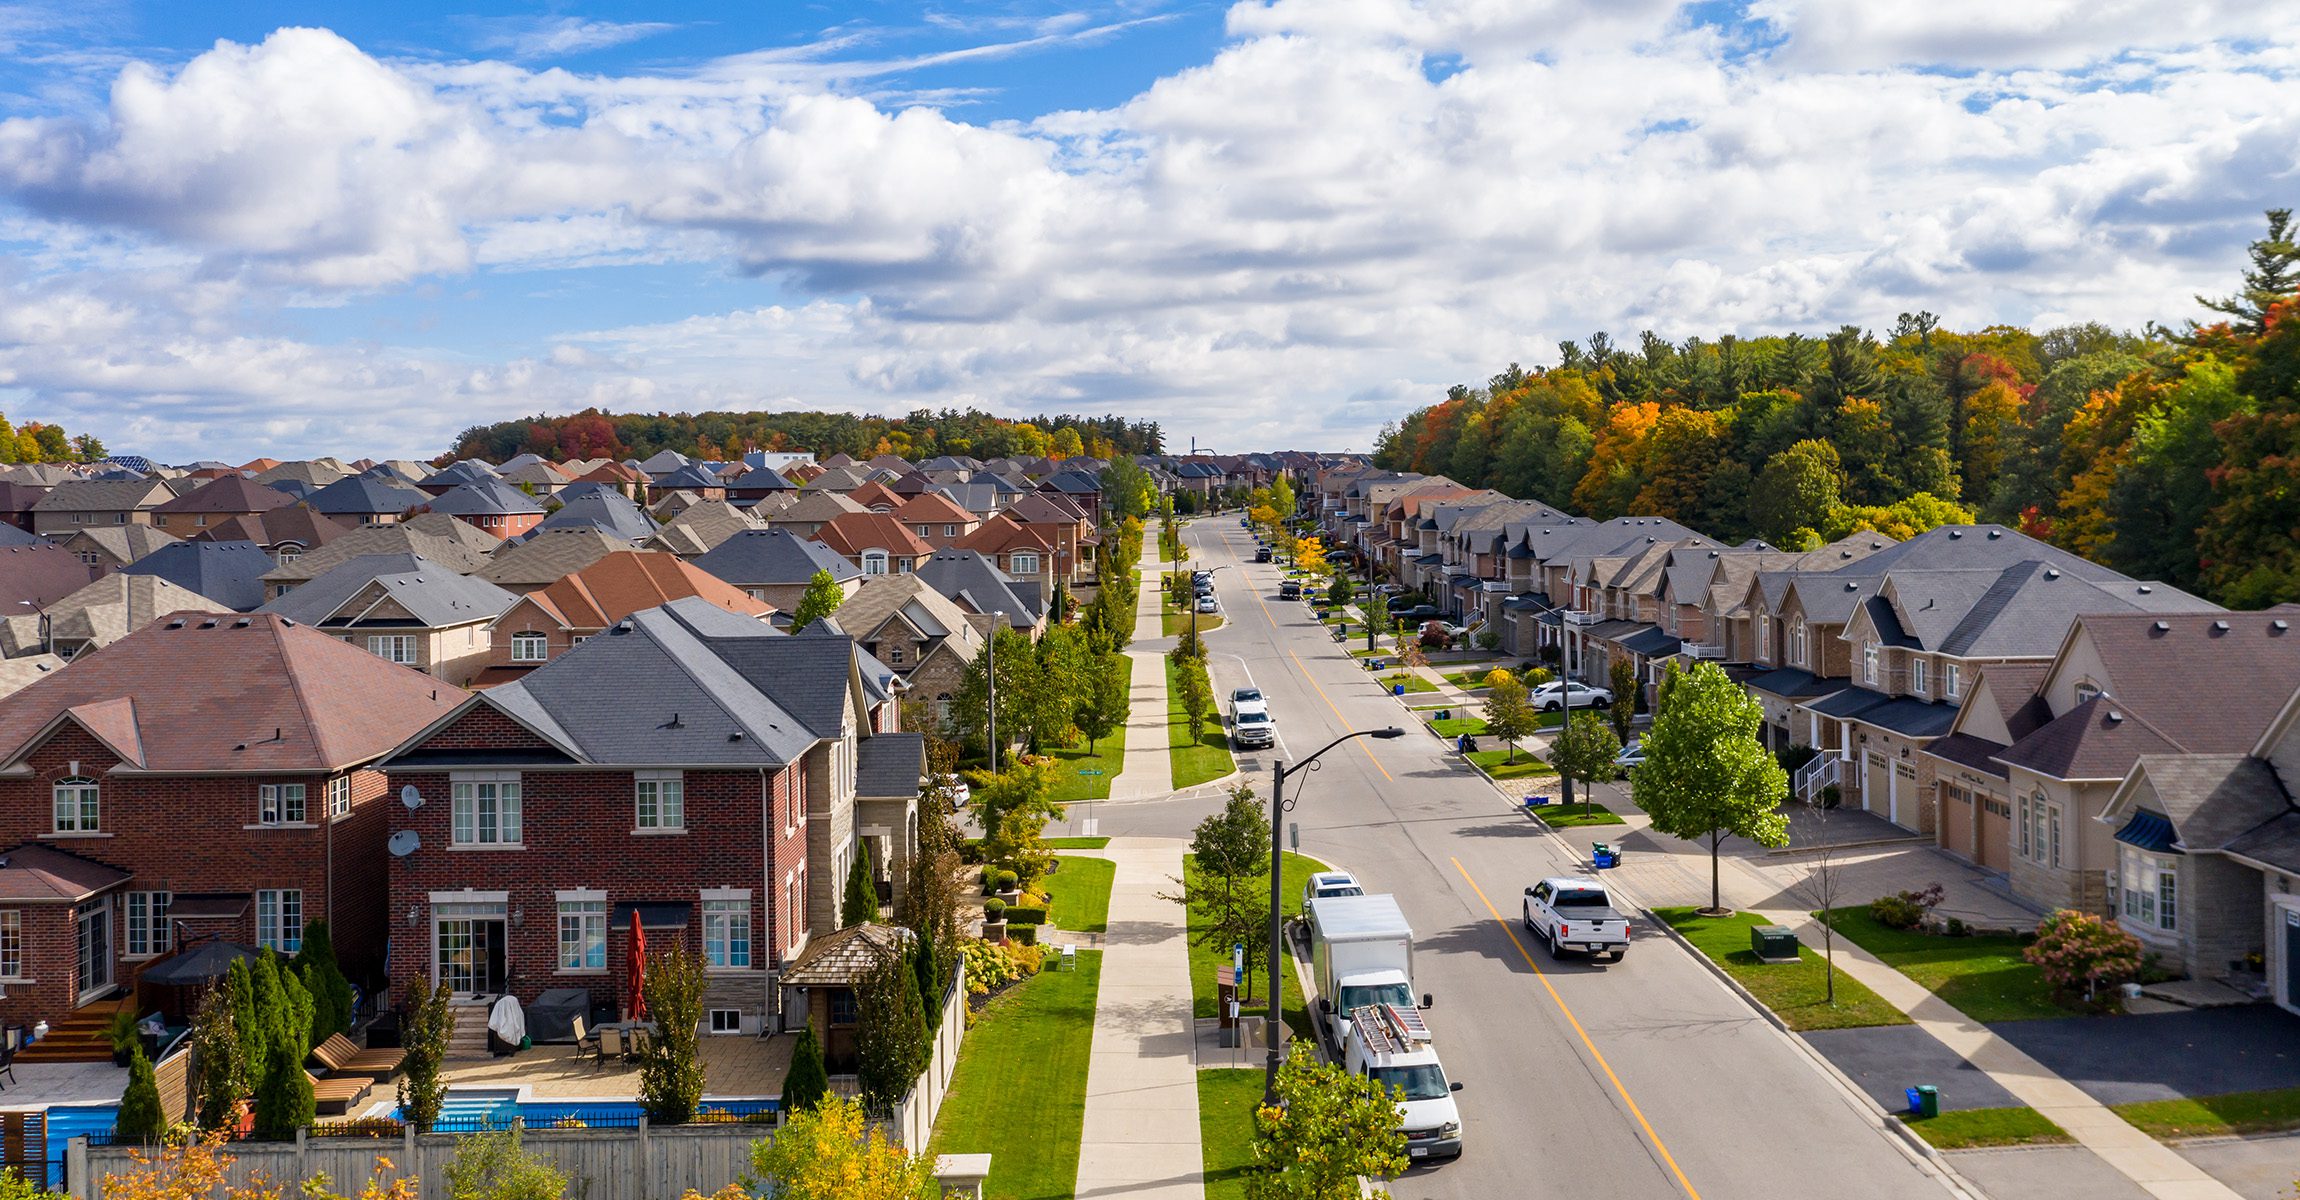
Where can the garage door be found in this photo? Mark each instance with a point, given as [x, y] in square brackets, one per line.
[1874, 782]
[1996, 834]
[1957, 821]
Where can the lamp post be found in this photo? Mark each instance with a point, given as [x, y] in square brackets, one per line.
[1276, 1024]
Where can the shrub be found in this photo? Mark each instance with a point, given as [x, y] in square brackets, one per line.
[140, 1117]
[1019, 915]
[807, 1082]
[1008, 881]
[989, 880]
[994, 909]
[1897, 911]
[1957, 927]
[990, 967]
[1025, 934]
[1794, 758]
[2080, 953]
[494, 1166]
[970, 851]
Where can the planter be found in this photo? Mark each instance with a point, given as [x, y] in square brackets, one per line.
[994, 932]
[1012, 896]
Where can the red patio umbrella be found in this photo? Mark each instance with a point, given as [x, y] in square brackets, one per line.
[635, 973]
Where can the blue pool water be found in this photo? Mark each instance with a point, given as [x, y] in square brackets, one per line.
[471, 1109]
[66, 1122]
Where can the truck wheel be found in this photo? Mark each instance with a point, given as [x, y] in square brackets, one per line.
[1615, 956]
[1526, 917]
[1555, 950]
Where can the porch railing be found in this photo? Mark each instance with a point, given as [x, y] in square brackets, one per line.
[1703, 649]
[1815, 775]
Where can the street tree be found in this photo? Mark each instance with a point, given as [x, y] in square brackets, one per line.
[1229, 898]
[1508, 714]
[1706, 774]
[1341, 590]
[1622, 675]
[1328, 1130]
[822, 598]
[1583, 751]
[1107, 697]
[1822, 887]
[1197, 694]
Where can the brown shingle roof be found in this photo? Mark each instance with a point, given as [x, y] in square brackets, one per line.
[33, 873]
[272, 529]
[933, 508]
[854, 533]
[216, 694]
[2098, 739]
[2211, 681]
[626, 581]
[228, 494]
[841, 959]
[40, 575]
[551, 554]
[873, 493]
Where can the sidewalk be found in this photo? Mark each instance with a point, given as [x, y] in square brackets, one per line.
[1149, 769]
[1141, 1129]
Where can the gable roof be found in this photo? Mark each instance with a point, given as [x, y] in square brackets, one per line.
[1001, 533]
[375, 493]
[229, 573]
[222, 694]
[432, 594]
[228, 494]
[39, 575]
[103, 495]
[933, 508]
[297, 525]
[426, 537]
[99, 613]
[548, 554]
[757, 557]
[490, 497]
[34, 873]
[2212, 799]
[855, 533]
[977, 585]
[882, 598]
[607, 511]
[844, 957]
[701, 528]
[124, 543]
[627, 581]
[889, 766]
[2096, 740]
[808, 505]
[873, 493]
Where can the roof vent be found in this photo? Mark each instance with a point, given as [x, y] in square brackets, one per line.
[2052, 572]
[176, 624]
[1852, 587]
[2220, 627]
[1956, 533]
[1994, 534]
[2162, 627]
[210, 623]
[2279, 626]
[286, 624]
[2115, 717]
[674, 723]
[734, 737]
[2145, 589]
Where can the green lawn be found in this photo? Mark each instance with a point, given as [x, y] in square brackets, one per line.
[1204, 959]
[1071, 783]
[1469, 680]
[1376, 652]
[1453, 727]
[1199, 761]
[1078, 894]
[2233, 1114]
[1973, 1127]
[1226, 1103]
[1983, 976]
[1496, 764]
[1561, 816]
[1414, 683]
[1023, 1067]
[1077, 843]
[1796, 991]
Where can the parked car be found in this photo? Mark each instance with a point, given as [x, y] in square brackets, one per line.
[955, 787]
[1389, 589]
[1558, 694]
[1403, 600]
[1330, 883]
[1262, 555]
[1245, 695]
[1290, 590]
[1415, 615]
[1206, 604]
[1576, 914]
[1632, 755]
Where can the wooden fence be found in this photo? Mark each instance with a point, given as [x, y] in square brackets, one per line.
[914, 1114]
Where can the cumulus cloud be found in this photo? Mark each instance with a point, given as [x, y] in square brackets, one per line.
[1349, 205]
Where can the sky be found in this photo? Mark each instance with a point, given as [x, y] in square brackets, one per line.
[256, 228]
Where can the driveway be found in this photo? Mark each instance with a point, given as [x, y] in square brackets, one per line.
[2164, 1056]
[1886, 1060]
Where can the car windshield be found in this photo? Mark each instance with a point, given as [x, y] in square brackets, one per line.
[1582, 899]
[1379, 993]
[1244, 695]
[1253, 717]
[1425, 1082]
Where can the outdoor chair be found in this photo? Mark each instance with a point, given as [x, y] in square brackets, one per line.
[610, 1046]
[341, 1057]
[586, 1041]
[635, 1046]
[336, 1094]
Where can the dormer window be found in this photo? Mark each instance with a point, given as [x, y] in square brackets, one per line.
[1869, 658]
[2086, 691]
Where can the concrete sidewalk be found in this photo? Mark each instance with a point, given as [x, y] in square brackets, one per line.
[1141, 1129]
[1149, 769]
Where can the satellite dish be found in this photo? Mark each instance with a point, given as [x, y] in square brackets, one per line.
[410, 797]
[403, 843]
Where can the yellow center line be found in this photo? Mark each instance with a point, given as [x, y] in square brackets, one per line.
[1299, 666]
[1586, 1043]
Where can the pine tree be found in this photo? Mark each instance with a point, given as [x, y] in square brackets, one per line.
[140, 1117]
[296, 1012]
[807, 1082]
[861, 903]
[2274, 275]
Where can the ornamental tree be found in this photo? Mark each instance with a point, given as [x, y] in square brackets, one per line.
[1706, 774]
[1328, 1129]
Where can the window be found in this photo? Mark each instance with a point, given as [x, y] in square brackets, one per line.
[1797, 643]
[287, 554]
[894, 658]
[1869, 665]
[1920, 676]
[529, 647]
[662, 800]
[279, 920]
[949, 531]
[726, 1020]
[1021, 563]
[393, 647]
[756, 593]
[582, 935]
[2052, 819]
[874, 562]
[339, 796]
[2149, 890]
[200, 519]
[2086, 691]
[487, 811]
[727, 933]
[2035, 839]
[147, 924]
[280, 804]
[76, 805]
[1764, 637]
[1949, 680]
[578, 639]
[843, 1011]
[11, 944]
[2022, 832]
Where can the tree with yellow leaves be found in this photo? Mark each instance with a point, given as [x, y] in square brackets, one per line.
[196, 1168]
[825, 1153]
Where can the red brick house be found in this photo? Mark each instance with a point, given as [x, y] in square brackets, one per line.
[718, 801]
[557, 617]
[937, 519]
[877, 542]
[210, 776]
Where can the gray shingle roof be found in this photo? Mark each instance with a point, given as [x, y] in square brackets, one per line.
[229, 573]
[2213, 799]
[605, 510]
[434, 595]
[969, 578]
[368, 494]
[485, 498]
[757, 557]
[890, 766]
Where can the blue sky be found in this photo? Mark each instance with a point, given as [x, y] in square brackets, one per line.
[288, 229]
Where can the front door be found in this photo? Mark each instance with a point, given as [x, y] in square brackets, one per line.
[471, 949]
[95, 950]
[2292, 958]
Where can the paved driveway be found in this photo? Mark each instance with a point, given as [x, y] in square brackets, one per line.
[1886, 1060]
[2164, 1056]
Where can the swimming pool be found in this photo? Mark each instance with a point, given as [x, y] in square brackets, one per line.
[66, 1122]
[472, 1110]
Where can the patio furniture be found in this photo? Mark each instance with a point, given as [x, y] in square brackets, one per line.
[8, 1064]
[635, 1045]
[610, 1046]
[341, 1057]
[1069, 956]
[336, 1094]
[586, 1041]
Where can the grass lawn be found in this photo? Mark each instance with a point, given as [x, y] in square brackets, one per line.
[1571, 816]
[1076, 843]
[1376, 652]
[1983, 976]
[1226, 1103]
[1968, 1128]
[1070, 781]
[1414, 683]
[1025, 1062]
[1204, 959]
[1198, 761]
[1468, 680]
[2235, 1113]
[1174, 623]
[1453, 727]
[1078, 894]
[1797, 992]
[1496, 764]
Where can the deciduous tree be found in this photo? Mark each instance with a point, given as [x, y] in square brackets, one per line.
[1508, 715]
[671, 1070]
[822, 598]
[1584, 750]
[1230, 851]
[1706, 775]
[1328, 1130]
[833, 1152]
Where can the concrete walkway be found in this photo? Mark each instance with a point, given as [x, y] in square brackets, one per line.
[1141, 1130]
[2159, 1170]
[1149, 769]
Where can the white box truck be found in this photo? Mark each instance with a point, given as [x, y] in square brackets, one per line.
[1361, 953]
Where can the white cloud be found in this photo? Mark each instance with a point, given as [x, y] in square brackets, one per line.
[558, 37]
[1275, 245]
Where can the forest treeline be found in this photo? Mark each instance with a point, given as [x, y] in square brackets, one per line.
[725, 436]
[2166, 454]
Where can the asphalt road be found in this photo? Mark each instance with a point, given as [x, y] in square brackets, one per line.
[1646, 1078]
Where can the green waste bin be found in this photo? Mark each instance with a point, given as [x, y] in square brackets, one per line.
[1773, 942]
[1924, 1101]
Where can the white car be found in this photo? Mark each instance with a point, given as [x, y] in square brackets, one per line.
[1330, 883]
[1206, 604]
[1558, 694]
[1632, 755]
[955, 787]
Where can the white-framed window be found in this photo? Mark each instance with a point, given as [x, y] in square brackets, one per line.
[1797, 644]
[1949, 682]
[578, 639]
[392, 647]
[582, 935]
[200, 519]
[1023, 562]
[2022, 832]
[147, 924]
[2036, 835]
[279, 920]
[2052, 824]
[530, 647]
[1764, 637]
[662, 800]
[339, 796]
[874, 562]
[950, 531]
[11, 944]
[2086, 691]
[288, 553]
[894, 657]
[486, 810]
[280, 804]
[1869, 656]
[726, 1020]
[77, 805]
[1920, 676]
[727, 933]
[2149, 888]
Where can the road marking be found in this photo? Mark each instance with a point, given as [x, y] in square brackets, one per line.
[1586, 1043]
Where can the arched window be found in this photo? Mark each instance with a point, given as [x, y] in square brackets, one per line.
[529, 647]
[874, 562]
[76, 805]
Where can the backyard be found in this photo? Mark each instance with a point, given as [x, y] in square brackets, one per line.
[1195, 760]
[1019, 1094]
[1797, 992]
[1982, 975]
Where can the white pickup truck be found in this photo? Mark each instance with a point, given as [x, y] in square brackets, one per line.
[1576, 914]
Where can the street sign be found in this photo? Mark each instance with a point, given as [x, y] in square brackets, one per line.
[1294, 835]
[1226, 976]
[1238, 957]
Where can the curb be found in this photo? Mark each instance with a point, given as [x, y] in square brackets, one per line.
[1928, 1157]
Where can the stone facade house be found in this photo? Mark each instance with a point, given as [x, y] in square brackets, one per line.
[405, 610]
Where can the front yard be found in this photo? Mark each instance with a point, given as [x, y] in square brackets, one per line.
[2236, 1114]
[1019, 1094]
[1497, 765]
[1983, 976]
[1577, 815]
[1796, 992]
[1078, 894]
[1972, 1128]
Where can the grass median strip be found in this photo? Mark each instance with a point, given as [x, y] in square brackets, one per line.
[1226, 1103]
[1077, 843]
[1984, 976]
[1195, 760]
[1796, 992]
[1028, 1047]
[1577, 815]
[1497, 765]
[2232, 1114]
[1083, 775]
[1972, 1128]
[1078, 894]
[1205, 959]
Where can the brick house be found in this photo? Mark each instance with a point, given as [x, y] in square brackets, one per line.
[936, 519]
[919, 633]
[716, 802]
[404, 609]
[699, 529]
[876, 542]
[1025, 552]
[552, 620]
[774, 565]
[490, 505]
[210, 776]
[78, 503]
[107, 548]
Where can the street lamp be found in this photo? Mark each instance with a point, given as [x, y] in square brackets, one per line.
[1275, 1025]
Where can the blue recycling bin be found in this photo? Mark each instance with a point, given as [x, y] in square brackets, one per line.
[1397, 689]
[1536, 801]
[1924, 1100]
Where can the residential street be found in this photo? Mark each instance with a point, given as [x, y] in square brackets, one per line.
[1642, 1079]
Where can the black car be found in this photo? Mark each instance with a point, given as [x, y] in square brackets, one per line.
[1417, 614]
[1262, 555]
[1403, 601]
